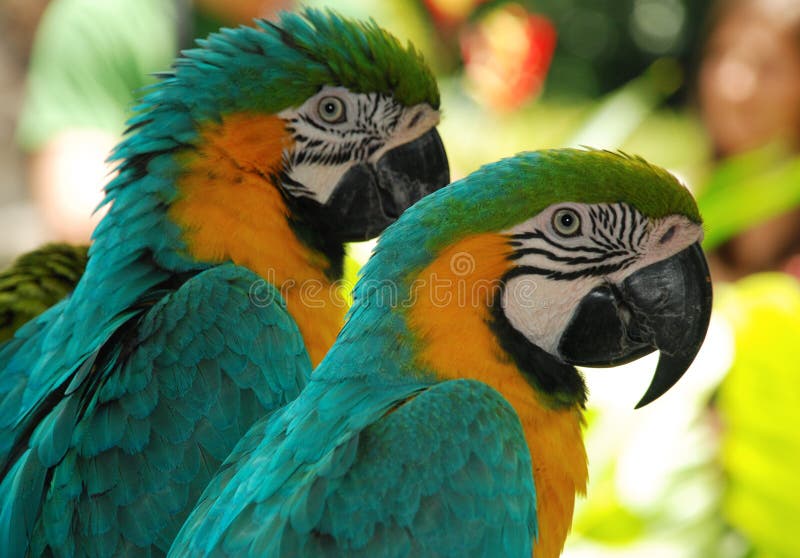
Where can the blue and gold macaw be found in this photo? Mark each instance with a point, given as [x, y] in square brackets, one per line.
[208, 291]
[446, 419]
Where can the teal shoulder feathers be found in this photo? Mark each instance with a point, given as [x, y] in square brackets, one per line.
[147, 419]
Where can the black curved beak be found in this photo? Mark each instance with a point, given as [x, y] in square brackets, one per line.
[369, 198]
[665, 306]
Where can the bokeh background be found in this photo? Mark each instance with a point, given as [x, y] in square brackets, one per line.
[709, 89]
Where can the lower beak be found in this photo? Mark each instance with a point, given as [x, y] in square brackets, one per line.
[370, 197]
[665, 306]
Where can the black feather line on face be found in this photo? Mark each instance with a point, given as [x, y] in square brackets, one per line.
[537, 234]
[303, 218]
[596, 271]
[616, 245]
[561, 384]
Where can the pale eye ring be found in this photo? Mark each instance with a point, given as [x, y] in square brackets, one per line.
[331, 110]
[567, 222]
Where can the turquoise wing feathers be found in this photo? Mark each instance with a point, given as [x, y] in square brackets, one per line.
[130, 450]
[46, 352]
[432, 471]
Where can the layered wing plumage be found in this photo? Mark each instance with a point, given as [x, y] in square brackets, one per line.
[116, 461]
[439, 470]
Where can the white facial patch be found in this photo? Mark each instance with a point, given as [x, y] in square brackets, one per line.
[540, 308]
[556, 271]
[328, 142]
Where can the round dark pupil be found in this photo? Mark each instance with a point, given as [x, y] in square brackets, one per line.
[330, 108]
[567, 220]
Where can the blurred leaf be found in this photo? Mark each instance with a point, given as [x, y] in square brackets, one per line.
[474, 136]
[619, 114]
[760, 403]
[605, 519]
[747, 190]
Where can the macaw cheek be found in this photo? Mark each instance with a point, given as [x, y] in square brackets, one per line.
[368, 198]
[665, 306]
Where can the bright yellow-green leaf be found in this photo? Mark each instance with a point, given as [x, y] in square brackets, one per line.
[747, 190]
[760, 403]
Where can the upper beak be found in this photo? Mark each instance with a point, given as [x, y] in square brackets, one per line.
[370, 197]
[665, 306]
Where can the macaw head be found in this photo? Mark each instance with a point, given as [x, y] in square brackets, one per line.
[361, 117]
[334, 114]
[564, 257]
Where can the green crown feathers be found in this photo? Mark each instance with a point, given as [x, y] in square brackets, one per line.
[280, 64]
[358, 55]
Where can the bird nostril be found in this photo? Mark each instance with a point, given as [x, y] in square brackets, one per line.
[667, 235]
[415, 119]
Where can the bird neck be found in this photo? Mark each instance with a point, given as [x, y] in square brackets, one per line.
[229, 209]
[451, 319]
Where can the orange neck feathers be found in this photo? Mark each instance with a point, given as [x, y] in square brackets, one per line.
[229, 210]
[451, 316]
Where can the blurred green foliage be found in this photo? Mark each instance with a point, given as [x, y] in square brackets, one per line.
[606, 519]
[746, 190]
[603, 44]
[760, 405]
[631, 118]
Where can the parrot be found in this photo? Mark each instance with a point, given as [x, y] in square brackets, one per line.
[446, 418]
[209, 292]
[36, 281]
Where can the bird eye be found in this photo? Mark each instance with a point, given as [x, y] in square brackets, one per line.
[331, 109]
[566, 222]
